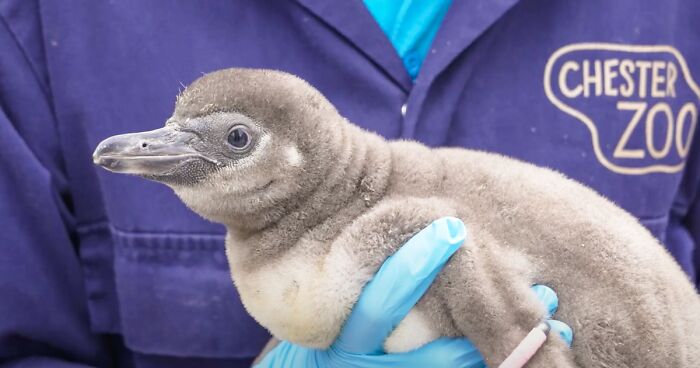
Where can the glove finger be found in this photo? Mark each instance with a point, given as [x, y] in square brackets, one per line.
[286, 354]
[562, 329]
[547, 297]
[441, 353]
[396, 287]
[449, 353]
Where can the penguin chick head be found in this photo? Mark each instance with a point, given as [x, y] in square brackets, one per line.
[241, 142]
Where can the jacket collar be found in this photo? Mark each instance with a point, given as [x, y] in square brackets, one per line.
[465, 21]
[353, 21]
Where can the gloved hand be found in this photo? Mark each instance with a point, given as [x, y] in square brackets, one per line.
[386, 299]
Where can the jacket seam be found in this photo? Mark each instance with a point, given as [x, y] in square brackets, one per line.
[25, 56]
[92, 227]
[653, 218]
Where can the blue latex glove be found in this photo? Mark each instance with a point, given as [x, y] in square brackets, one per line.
[386, 299]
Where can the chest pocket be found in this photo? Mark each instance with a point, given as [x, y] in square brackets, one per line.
[167, 294]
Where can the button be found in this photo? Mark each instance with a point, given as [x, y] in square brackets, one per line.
[403, 110]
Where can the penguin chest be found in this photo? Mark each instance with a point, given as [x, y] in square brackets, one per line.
[305, 299]
[299, 297]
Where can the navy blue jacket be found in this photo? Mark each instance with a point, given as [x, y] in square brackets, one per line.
[102, 269]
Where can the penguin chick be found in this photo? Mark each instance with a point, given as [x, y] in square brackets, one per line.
[313, 205]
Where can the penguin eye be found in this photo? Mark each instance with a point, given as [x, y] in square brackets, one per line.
[239, 138]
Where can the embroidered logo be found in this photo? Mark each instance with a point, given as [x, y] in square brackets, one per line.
[639, 103]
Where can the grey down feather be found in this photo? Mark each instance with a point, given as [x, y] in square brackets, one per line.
[314, 205]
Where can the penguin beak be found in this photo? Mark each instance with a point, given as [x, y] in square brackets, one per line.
[146, 153]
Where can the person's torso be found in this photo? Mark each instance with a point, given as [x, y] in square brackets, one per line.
[600, 91]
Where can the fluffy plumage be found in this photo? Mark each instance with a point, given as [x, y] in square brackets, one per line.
[317, 204]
